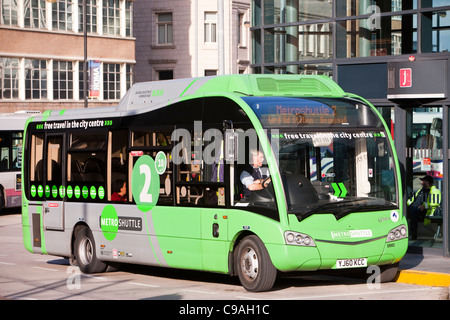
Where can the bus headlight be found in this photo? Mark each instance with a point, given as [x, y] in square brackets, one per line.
[298, 239]
[397, 233]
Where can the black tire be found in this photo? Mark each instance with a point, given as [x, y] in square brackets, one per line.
[254, 267]
[85, 253]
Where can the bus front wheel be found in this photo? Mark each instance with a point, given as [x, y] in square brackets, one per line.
[85, 253]
[254, 267]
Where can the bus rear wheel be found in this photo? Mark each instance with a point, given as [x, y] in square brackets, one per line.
[254, 267]
[85, 252]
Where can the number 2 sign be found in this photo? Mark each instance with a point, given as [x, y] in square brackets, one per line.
[145, 183]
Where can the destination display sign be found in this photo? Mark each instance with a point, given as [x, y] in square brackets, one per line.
[317, 112]
[74, 124]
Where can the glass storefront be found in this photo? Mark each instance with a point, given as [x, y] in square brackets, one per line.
[322, 37]
[297, 32]
[427, 160]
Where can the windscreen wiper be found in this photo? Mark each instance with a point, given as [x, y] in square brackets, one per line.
[335, 205]
[342, 214]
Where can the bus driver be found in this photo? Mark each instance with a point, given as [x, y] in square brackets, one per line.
[251, 177]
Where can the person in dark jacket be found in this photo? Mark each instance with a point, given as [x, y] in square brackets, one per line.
[251, 177]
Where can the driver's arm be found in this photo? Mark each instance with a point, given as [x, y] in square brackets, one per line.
[248, 181]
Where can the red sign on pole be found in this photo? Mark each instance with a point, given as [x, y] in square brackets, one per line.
[405, 78]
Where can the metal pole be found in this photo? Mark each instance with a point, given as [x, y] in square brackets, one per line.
[445, 181]
[85, 54]
[221, 36]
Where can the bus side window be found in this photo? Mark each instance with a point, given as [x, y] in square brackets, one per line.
[117, 162]
[86, 166]
[54, 160]
[4, 151]
[17, 138]
[148, 141]
[36, 168]
[200, 175]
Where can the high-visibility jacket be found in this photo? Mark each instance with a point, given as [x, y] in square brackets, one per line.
[431, 203]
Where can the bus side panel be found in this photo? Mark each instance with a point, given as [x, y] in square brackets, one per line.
[178, 231]
[163, 236]
[27, 224]
[271, 233]
[32, 228]
[215, 243]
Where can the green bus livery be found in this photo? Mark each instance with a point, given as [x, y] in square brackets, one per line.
[245, 175]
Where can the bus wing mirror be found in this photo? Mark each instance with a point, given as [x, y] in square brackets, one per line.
[230, 145]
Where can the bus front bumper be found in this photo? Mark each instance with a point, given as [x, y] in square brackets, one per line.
[327, 256]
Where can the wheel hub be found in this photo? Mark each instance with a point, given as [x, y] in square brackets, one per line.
[86, 251]
[250, 264]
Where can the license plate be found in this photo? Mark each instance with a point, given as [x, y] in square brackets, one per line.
[351, 263]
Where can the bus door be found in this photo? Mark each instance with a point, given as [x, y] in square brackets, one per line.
[214, 238]
[54, 186]
[215, 216]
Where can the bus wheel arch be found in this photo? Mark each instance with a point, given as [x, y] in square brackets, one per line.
[252, 263]
[84, 251]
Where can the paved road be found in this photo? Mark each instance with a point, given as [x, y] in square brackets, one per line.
[39, 277]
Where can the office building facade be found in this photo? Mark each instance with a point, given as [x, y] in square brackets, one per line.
[42, 53]
[394, 53]
[183, 38]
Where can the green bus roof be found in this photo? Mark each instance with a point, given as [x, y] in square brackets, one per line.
[157, 93]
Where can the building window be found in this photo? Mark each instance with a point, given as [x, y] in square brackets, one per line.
[62, 15]
[62, 80]
[91, 19]
[9, 78]
[436, 31]
[209, 73]
[165, 75]
[315, 41]
[111, 17]
[81, 89]
[35, 79]
[9, 13]
[35, 14]
[210, 27]
[111, 81]
[128, 18]
[165, 28]
[392, 35]
[129, 75]
[359, 8]
[241, 30]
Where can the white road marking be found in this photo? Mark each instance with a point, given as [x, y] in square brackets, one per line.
[199, 291]
[46, 269]
[144, 284]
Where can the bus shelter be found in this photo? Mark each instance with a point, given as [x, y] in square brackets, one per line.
[413, 96]
[419, 90]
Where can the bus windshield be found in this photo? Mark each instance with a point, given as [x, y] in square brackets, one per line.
[333, 154]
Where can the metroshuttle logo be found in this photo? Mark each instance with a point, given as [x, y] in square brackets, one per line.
[405, 78]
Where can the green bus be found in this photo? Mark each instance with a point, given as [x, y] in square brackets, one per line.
[159, 180]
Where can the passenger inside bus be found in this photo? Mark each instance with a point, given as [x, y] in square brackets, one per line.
[119, 191]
